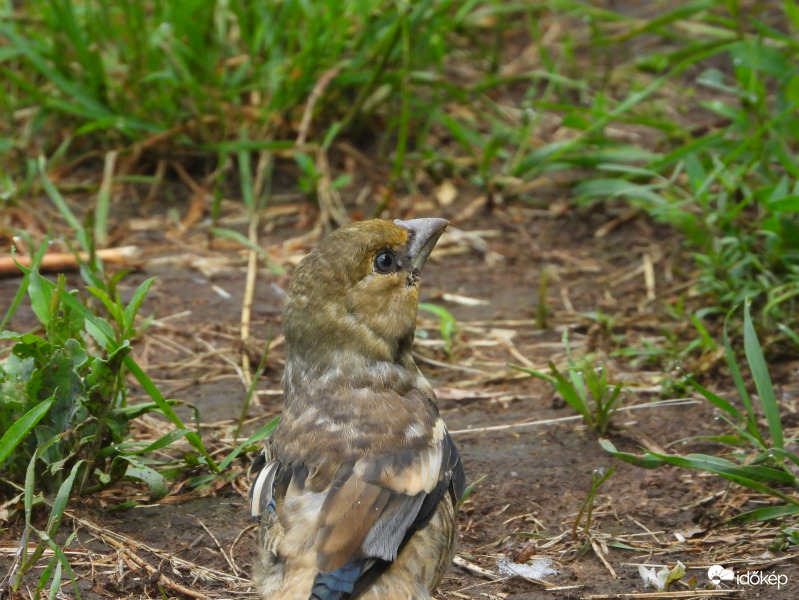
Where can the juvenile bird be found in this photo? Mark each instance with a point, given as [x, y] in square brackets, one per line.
[357, 489]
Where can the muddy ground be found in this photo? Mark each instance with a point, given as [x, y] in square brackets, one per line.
[536, 473]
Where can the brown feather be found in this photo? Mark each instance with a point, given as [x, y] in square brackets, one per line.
[345, 520]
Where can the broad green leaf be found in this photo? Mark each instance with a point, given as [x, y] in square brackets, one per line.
[40, 291]
[755, 55]
[23, 286]
[154, 480]
[114, 309]
[786, 204]
[102, 332]
[767, 513]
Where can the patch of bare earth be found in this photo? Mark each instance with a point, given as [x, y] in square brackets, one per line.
[537, 461]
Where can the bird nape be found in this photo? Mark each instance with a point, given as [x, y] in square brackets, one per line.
[357, 490]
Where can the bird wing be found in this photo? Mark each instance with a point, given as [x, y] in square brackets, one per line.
[365, 505]
[374, 502]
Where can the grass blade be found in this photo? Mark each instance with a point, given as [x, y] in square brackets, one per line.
[738, 380]
[716, 401]
[166, 409]
[23, 286]
[61, 499]
[154, 480]
[767, 513]
[20, 429]
[57, 199]
[646, 461]
[132, 309]
[162, 442]
[263, 433]
[757, 365]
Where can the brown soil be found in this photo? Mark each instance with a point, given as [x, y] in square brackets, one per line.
[535, 476]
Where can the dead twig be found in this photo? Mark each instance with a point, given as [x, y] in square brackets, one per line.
[262, 172]
[680, 594]
[662, 403]
[601, 555]
[140, 562]
[316, 93]
[474, 569]
[228, 560]
[56, 262]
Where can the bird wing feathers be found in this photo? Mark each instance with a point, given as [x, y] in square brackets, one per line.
[359, 506]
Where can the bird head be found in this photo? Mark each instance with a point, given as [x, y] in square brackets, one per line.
[352, 301]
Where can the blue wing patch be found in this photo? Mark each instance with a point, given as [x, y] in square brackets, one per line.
[338, 584]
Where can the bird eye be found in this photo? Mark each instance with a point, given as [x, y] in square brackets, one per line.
[386, 262]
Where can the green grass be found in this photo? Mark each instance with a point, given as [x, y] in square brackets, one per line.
[64, 412]
[689, 114]
[731, 190]
[156, 76]
[585, 386]
[447, 326]
[598, 477]
[757, 459]
[706, 89]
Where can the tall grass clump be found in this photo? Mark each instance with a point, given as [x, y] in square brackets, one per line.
[164, 75]
[687, 111]
[726, 176]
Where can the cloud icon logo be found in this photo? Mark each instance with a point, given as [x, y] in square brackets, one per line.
[717, 574]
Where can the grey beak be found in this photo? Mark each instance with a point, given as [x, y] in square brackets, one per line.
[423, 235]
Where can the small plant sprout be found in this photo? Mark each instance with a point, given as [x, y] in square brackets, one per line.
[447, 326]
[587, 389]
[469, 489]
[600, 476]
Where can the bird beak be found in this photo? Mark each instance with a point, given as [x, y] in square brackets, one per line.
[423, 235]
